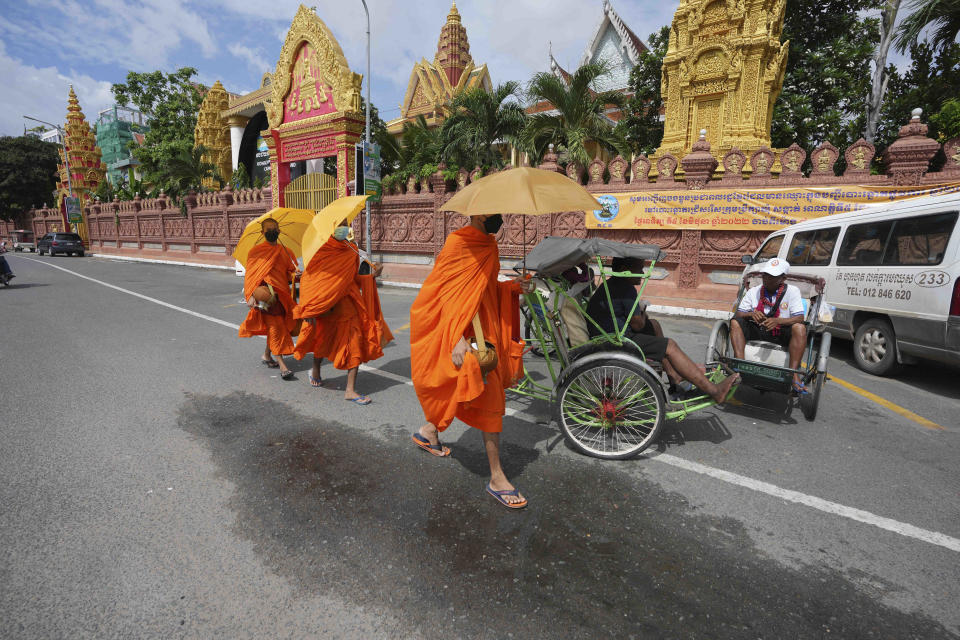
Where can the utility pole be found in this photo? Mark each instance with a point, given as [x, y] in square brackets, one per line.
[366, 232]
[66, 163]
[878, 86]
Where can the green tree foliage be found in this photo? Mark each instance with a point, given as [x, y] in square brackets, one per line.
[171, 102]
[942, 17]
[419, 145]
[642, 127]
[479, 119]
[28, 171]
[579, 115]
[240, 178]
[947, 120]
[931, 81]
[828, 72]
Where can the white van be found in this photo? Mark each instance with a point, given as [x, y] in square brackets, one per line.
[893, 273]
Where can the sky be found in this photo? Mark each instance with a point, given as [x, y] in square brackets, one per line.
[45, 45]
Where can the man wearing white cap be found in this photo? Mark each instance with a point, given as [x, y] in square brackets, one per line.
[772, 311]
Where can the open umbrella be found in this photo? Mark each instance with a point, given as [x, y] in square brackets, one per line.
[523, 190]
[292, 223]
[326, 221]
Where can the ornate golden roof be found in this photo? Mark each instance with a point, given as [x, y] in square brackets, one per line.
[86, 168]
[213, 132]
[433, 84]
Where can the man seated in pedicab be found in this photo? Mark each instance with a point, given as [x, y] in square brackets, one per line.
[646, 332]
[773, 312]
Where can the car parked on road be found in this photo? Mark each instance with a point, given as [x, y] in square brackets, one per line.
[59, 242]
[893, 273]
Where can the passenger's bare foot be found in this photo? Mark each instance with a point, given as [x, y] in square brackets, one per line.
[723, 388]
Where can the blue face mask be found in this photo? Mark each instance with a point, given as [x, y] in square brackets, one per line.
[341, 233]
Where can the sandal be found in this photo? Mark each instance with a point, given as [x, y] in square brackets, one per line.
[498, 496]
[273, 364]
[362, 400]
[315, 382]
[436, 449]
[800, 388]
[286, 375]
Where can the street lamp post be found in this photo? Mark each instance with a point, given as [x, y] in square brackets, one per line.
[66, 161]
[366, 231]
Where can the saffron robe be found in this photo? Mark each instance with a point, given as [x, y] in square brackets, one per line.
[272, 264]
[350, 328]
[464, 281]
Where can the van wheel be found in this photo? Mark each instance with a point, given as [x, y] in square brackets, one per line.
[875, 347]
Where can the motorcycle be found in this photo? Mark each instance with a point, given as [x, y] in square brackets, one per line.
[6, 275]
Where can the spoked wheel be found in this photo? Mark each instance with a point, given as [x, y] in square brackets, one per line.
[810, 401]
[719, 343]
[611, 409]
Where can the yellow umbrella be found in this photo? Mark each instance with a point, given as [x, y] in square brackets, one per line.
[326, 221]
[292, 223]
[523, 190]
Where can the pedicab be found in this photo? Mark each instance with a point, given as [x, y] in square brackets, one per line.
[609, 400]
[765, 365]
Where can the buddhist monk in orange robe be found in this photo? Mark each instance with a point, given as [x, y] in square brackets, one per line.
[274, 264]
[341, 309]
[448, 380]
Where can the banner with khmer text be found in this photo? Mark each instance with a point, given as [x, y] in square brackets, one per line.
[743, 209]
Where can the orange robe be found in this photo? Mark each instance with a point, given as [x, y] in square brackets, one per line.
[350, 328]
[272, 264]
[463, 281]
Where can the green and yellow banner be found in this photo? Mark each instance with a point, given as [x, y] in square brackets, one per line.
[743, 209]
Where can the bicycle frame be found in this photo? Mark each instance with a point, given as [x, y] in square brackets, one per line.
[546, 326]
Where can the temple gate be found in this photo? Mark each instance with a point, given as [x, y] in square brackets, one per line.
[315, 110]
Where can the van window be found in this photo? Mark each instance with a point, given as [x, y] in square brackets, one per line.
[921, 240]
[770, 249]
[813, 248]
[863, 244]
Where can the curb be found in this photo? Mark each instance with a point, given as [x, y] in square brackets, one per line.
[199, 265]
[689, 312]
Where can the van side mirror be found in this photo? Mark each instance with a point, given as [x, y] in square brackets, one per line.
[747, 259]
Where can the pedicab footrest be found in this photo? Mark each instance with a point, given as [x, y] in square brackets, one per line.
[758, 374]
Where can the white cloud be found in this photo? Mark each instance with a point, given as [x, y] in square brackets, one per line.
[142, 35]
[256, 61]
[42, 92]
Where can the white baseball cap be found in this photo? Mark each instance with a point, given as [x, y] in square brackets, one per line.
[775, 267]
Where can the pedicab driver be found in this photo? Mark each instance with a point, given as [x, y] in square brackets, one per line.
[773, 312]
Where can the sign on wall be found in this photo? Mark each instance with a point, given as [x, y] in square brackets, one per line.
[743, 209]
[261, 163]
[72, 206]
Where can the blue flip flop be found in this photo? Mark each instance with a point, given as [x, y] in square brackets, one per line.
[498, 496]
[315, 382]
[436, 449]
[800, 389]
[361, 400]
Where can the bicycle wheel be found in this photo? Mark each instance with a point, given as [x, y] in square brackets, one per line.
[611, 408]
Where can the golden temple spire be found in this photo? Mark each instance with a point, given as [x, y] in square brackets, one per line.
[453, 50]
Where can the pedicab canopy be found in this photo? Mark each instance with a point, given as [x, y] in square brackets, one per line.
[554, 255]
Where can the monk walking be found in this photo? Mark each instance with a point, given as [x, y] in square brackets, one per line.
[448, 381]
[341, 309]
[273, 265]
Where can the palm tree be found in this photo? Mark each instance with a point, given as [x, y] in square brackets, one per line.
[578, 114]
[941, 16]
[479, 119]
[187, 169]
[419, 145]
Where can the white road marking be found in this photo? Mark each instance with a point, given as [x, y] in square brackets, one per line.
[796, 497]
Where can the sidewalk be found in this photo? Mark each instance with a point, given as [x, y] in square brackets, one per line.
[707, 301]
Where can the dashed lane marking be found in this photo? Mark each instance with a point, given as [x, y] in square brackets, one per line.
[859, 515]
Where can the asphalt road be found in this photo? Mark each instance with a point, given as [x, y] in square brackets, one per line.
[157, 482]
